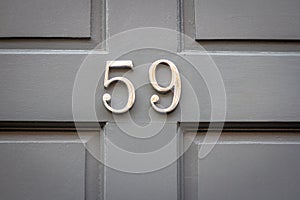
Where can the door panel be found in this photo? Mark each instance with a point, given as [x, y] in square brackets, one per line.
[43, 18]
[52, 25]
[271, 80]
[244, 165]
[244, 19]
[48, 165]
[152, 182]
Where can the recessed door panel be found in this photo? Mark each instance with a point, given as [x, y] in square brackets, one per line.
[247, 19]
[258, 165]
[44, 18]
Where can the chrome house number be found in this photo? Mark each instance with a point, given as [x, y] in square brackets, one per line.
[175, 84]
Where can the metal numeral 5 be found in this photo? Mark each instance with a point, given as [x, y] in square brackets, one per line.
[107, 82]
[175, 84]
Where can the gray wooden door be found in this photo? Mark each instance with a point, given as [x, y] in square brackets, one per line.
[52, 64]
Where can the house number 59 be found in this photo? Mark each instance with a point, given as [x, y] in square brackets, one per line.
[175, 84]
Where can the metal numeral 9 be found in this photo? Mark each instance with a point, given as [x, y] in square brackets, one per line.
[174, 84]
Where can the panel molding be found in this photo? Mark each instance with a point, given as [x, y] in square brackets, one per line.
[262, 132]
[241, 19]
[98, 34]
[186, 25]
[185, 126]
